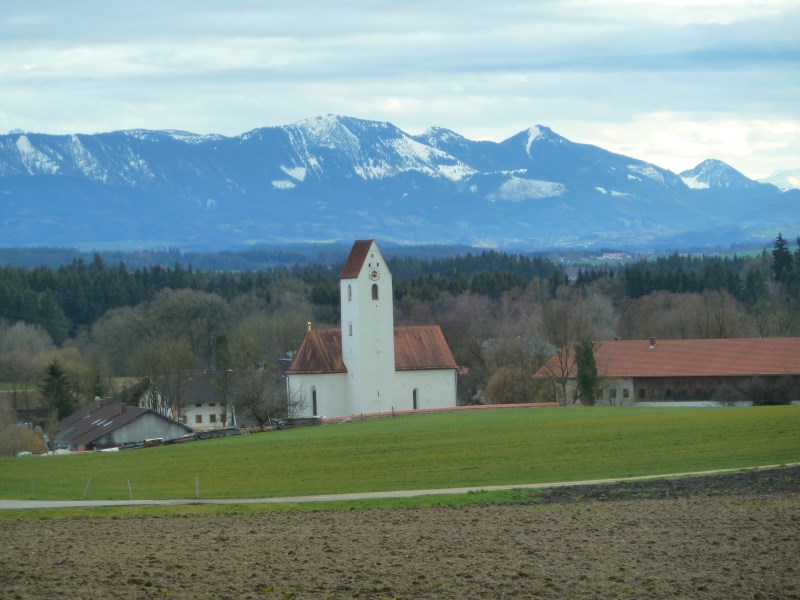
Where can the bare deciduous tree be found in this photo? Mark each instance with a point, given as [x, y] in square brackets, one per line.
[161, 361]
[263, 396]
[564, 324]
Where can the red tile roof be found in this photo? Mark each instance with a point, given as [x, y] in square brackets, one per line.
[320, 352]
[415, 348]
[354, 262]
[695, 358]
[422, 347]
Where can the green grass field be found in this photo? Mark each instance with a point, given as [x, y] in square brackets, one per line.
[422, 452]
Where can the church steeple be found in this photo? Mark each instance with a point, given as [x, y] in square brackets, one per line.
[367, 328]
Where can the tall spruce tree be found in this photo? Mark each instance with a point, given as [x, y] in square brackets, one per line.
[56, 389]
[588, 382]
[781, 260]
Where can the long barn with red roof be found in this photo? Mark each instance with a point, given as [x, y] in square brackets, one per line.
[683, 370]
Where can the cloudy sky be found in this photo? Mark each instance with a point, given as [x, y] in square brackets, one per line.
[672, 82]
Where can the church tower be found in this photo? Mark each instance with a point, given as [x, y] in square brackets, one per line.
[365, 286]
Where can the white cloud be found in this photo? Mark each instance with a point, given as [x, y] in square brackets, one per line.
[673, 141]
[667, 81]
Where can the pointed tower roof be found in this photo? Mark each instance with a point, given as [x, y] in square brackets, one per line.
[358, 254]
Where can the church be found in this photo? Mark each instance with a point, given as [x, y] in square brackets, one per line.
[369, 365]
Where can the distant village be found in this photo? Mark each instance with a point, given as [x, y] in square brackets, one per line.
[101, 357]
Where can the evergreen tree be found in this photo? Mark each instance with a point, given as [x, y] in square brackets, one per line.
[781, 260]
[588, 382]
[56, 389]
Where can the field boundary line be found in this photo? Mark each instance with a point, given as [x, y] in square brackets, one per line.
[34, 504]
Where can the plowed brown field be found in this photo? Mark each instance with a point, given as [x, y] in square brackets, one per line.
[722, 537]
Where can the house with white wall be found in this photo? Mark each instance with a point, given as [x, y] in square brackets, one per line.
[369, 365]
[682, 372]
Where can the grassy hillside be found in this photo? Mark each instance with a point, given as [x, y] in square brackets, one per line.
[424, 451]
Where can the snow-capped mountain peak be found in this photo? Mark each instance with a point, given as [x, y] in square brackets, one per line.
[713, 173]
[439, 137]
[784, 180]
[329, 177]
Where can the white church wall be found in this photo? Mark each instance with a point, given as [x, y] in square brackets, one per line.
[436, 388]
[329, 389]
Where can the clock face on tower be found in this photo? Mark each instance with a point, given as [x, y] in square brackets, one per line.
[374, 274]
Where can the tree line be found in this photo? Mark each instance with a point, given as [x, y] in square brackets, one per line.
[502, 314]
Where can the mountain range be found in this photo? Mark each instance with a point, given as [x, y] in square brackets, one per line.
[334, 178]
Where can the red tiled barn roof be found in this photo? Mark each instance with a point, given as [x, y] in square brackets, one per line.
[415, 348]
[695, 358]
[354, 262]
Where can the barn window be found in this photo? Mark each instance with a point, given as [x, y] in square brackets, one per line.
[374, 291]
[414, 398]
[314, 401]
[642, 393]
[626, 393]
[612, 393]
[212, 418]
[198, 418]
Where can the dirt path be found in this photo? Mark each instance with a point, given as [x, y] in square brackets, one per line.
[735, 536]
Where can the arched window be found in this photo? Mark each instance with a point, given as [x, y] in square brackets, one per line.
[349, 292]
[414, 399]
[374, 291]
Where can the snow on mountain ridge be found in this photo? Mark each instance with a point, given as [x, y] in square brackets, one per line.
[713, 173]
[154, 135]
[517, 189]
[534, 133]
[34, 159]
[85, 161]
[297, 173]
[647, 170]
[694, 182]
[373, 158]
[785, 180]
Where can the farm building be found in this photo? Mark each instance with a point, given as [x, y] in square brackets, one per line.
[202, 399]
[106, 425]
[690, 372]
[204, 402]
[369, 365]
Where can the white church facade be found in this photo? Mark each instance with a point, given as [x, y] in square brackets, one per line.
[369, 365]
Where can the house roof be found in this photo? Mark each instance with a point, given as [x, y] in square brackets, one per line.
[201, 387]
[96, 420]
[415, 348]
[354, 262]
[694, 358]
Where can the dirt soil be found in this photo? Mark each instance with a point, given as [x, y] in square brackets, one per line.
[732, 536]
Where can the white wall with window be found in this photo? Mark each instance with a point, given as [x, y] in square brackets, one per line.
[206, 415]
